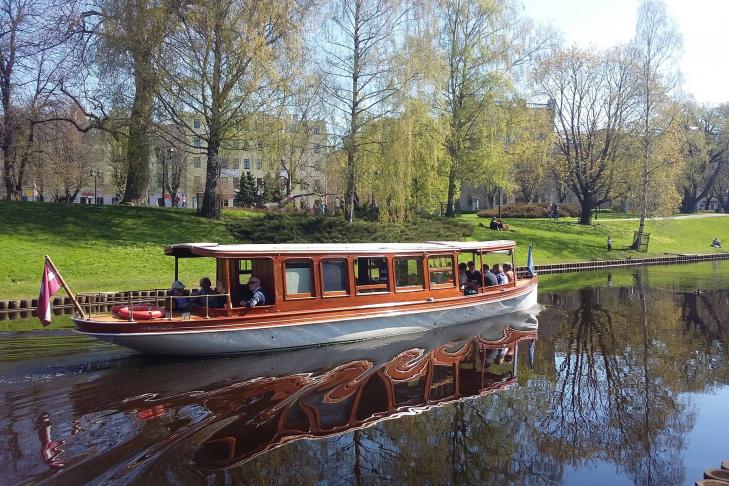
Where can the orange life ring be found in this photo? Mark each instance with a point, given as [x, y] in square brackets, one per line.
[141, 306]
[141, 312]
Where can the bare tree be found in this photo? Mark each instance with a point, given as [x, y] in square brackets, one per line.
[31, 34]
[656, 41]
[365, 70]
[222, 64]
[593, 97]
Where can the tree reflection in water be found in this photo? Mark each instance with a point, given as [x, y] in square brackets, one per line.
[611, 383]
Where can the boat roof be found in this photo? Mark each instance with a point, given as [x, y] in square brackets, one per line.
[239, 250]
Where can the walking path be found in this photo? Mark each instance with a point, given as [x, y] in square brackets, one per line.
[683, 216]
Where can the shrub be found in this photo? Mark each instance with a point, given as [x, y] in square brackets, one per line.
[291, 228]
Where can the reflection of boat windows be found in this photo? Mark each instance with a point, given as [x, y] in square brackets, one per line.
[335, 278]
[371, 275]
[299, 278]
[409, 272]
[441, 272]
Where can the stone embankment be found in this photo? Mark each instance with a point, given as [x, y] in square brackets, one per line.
[102, 302]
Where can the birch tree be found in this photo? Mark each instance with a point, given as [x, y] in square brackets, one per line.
[656, 43]
[366, 67]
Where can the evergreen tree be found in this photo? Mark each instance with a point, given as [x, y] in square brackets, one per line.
[247, 192]
[273, 191]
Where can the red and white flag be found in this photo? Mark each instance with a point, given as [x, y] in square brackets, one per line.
[49, 286]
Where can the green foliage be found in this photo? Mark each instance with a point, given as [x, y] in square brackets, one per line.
[247, 192]
[272, 190]
[292, 228]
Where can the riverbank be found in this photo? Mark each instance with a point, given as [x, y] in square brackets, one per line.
[111, 248]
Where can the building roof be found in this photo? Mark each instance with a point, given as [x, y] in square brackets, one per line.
[236, 250]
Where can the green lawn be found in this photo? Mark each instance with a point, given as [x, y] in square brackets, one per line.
[566, 241]
[99, 247]
[112, 248]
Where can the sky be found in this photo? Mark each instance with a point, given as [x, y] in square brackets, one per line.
[704, 25]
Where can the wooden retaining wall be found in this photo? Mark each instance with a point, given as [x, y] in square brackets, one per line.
[103, 301]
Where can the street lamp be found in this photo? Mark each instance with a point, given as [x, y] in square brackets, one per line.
[95, 174]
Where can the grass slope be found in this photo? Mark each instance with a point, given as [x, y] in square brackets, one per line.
[566, 241]
[116, 248]
[109, 248]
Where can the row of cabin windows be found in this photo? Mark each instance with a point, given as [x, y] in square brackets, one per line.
[371, 275]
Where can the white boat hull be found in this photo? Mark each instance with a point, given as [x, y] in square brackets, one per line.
[273, 338]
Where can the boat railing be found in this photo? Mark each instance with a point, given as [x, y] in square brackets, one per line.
[103, 302]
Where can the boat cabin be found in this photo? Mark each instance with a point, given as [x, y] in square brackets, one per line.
[320, 277]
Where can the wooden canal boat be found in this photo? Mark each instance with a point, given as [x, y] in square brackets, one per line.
[315, 294]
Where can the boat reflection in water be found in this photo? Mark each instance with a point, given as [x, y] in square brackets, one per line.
[246, 406]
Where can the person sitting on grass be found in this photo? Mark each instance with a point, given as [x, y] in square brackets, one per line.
[716, 243]
[495, 224]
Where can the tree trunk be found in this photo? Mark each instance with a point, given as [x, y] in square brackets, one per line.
[209, 207]
[138, 144]
[349, 195]
[451, 204]
[689, 203]
[586, 211]
[8, 141]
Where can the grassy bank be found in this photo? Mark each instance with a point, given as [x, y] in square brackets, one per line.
[100, 248]
[116, 248]
[566, 241]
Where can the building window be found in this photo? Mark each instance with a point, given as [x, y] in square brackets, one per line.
[197, 181]
[441, 272]
[196, 142]
[259, 182]
[225, 203]
[316, 148]
[299, 278]
[198, 162]
[335, 278]
[235, 164]
[259, 164]
[371, 275]
[196, 123]
[316, 130]
[223, 163]
[409, 273]
[246, 164]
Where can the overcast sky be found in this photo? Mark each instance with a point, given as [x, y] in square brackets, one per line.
[604, 23]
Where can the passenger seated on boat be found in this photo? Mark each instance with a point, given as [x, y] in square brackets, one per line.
[257, 297]
[509, 272]
[462, 276]
[500, 275]
[177, 289]
[489, 277]
[474, 276]
[206, 289]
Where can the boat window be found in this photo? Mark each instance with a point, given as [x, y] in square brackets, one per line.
[441, 272]
[371, 275]
[335, 278]
[409, 272]
[299, 278]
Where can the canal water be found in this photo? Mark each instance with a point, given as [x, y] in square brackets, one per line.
[626, 381]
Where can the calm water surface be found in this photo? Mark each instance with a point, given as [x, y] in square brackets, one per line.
[626, 381]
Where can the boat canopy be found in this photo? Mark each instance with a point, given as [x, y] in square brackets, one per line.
[215, 250]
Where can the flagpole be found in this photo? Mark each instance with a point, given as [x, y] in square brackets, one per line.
[65, 287]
